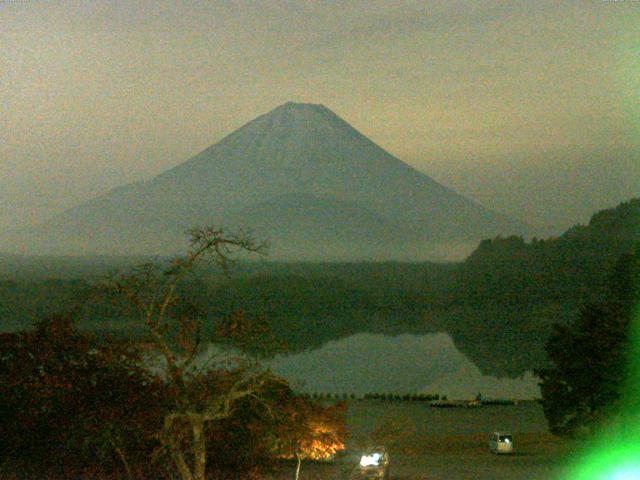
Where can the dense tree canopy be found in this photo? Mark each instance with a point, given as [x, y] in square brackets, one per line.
[68, 401]
[591, 357]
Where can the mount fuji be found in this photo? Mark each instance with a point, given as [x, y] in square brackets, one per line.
[298, 176]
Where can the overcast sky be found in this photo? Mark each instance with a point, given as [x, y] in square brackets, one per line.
[530, 107]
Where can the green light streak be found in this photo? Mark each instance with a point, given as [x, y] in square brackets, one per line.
[615, 453]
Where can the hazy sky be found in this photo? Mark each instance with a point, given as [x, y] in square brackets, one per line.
[530, 107]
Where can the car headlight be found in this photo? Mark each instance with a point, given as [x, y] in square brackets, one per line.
[372, 460]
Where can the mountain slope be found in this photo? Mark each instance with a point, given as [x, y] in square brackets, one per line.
[295, 150]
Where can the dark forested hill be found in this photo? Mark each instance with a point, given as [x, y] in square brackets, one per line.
[564, 268]
[509, 292]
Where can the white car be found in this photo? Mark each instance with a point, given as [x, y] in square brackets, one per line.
[374, 464]
[501, 443]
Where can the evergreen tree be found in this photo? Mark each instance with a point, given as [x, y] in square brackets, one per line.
[590, 358]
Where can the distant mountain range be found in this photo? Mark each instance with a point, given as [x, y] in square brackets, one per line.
[299, 176]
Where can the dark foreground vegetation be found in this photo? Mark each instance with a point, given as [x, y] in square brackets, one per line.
[74, 405]
[592, 373]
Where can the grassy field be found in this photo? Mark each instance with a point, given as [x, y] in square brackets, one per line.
[451, 444]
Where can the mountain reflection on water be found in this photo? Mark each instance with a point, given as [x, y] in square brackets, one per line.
[365, 363]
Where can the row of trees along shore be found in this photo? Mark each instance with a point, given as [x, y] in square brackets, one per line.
[405, 397]
[74, 405]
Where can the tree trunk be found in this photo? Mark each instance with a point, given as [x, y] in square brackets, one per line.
[298, 466]
[175, 449]
[123, 458]
[181, 465]
[199, 448]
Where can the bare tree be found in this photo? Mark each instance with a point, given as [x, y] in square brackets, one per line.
[174, 328]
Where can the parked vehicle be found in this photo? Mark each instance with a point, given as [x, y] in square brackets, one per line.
[501, 443]
[374, 463]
